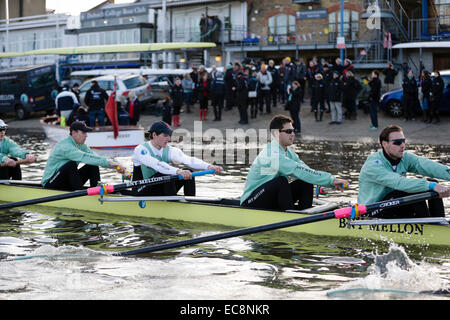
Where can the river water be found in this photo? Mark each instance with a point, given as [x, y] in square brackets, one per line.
[68, 260]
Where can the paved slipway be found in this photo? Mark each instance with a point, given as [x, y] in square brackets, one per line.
[416, 131]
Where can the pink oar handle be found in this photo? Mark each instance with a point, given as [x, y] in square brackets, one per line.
[96, 190]
[347, 211]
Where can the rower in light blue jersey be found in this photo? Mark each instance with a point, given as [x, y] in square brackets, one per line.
[267, 185]
[383, 177]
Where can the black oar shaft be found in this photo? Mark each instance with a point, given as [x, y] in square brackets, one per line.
[231, 234]
[63, 196]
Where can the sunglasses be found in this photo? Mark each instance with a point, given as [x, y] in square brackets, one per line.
[288, 131]
[2, 129]
[398, 142]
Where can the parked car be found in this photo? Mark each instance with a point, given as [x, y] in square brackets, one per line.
[124, 84]
[392, 101]
[160, 86]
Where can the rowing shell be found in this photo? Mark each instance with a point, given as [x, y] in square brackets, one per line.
[425, 231]
[101, 138]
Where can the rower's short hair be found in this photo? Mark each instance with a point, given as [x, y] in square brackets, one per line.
[278, 122]
[384, 135]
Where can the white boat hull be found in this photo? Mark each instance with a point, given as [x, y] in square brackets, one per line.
[129, 137]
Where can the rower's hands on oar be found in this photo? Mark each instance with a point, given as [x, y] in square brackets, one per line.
[30, 158]
[185, 174]
[340, 184]
[442, 190]
[120, 168]
[10, 162]
[216, 168]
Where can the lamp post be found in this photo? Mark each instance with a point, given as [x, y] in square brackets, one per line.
[342, 29]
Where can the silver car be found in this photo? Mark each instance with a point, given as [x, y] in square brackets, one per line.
[124, 84]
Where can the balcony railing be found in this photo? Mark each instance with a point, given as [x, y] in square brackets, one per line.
[299, 34]
[431, 29]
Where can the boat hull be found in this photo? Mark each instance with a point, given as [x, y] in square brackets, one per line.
[235, 217]
[129, 137]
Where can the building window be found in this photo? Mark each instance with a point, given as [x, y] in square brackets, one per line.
[281, 24]
[351, 24]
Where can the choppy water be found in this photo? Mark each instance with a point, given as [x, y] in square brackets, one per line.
[70, 251]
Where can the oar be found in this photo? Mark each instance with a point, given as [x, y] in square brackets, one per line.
[338, 213]
[25, 161]
[100, 190]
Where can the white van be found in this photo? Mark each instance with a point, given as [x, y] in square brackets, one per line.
[124, 84]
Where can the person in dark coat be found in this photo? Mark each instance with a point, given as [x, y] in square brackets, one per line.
[426, 85]
[436, 96]
[230, 78]
[335, 96]
[300, 75]
[177, 96]
[96, 99]
[374, 98]
[274, 86]
[218, 89]
[350, 91]
[242, 97]
[410, 96]
[294, 103]
[318, 96]
[79, 113]
[389, 76]
[253, 86]
[203, 93]
[133, 107]
[167, 110]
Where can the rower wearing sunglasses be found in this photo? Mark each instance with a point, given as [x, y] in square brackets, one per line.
[9, 154]
[383, 177]
[267, 185]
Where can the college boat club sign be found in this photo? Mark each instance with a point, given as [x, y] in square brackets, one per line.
[114, 13]
[312, 14]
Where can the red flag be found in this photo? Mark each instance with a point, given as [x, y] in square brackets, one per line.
[111, 111]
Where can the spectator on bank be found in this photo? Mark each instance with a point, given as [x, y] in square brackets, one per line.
[242, 97]
[436, 96]
[318, 96]
[350, 91]
[265, 80]
[389, 76]
[133, 107]
[188, 89]
[374, 98]
[177, 96]
[230, 86]
[300, 75]
[335, 96]
[274, 86]
[410, 96]
[167, 110]
[204, 92]
[218, 95]
[294, 103]
[253, 87]
[425, 87]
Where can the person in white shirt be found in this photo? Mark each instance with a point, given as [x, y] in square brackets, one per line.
[65, 102]
[152, 158]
